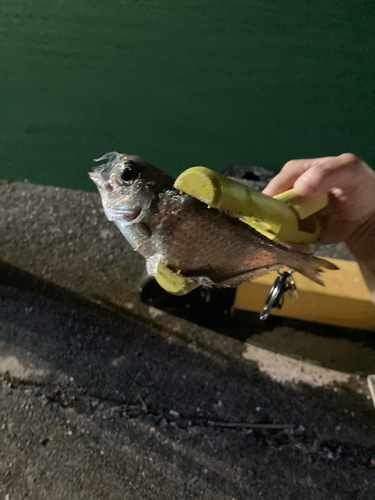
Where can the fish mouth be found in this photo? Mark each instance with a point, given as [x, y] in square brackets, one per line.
[132, 215]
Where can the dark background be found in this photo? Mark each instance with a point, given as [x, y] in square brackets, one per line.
[182, 83]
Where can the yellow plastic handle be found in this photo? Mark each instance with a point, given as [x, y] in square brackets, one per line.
[305, 207]
[174, 283]
[227, 195]
[287, 217]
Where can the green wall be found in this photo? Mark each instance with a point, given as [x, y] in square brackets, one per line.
[181, 83]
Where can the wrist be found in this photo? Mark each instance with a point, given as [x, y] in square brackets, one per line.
[362, 246]
[361, 242]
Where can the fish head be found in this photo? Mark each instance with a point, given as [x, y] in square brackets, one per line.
[128, 186]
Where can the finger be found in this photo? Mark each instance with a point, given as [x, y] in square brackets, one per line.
[342, 173]
[287, 176]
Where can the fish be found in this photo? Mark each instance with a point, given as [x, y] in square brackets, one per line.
[167, 227]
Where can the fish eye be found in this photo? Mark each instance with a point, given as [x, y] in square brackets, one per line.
[128, 174]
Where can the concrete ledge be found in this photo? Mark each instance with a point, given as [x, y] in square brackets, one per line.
[62, 236]
[106, 395]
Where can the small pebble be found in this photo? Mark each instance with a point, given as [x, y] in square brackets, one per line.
[174, 413]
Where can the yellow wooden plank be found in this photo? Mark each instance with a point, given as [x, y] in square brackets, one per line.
[343, 301]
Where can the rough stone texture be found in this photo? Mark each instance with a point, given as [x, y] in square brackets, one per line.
[104, 397]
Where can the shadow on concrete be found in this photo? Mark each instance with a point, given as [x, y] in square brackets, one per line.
[68, 330]
[108, 357]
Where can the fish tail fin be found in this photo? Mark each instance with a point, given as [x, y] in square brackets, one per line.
[311, 267]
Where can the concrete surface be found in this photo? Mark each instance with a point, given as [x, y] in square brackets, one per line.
[103, 396]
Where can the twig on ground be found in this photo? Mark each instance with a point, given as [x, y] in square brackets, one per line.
[247, 425]
[143, 404]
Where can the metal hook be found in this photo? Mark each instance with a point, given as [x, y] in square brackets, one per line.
[283, 283]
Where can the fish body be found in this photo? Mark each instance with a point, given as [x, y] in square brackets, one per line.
[207, 245]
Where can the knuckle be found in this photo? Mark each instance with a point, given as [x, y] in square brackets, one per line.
[290, 165]
[352, 166]
[348, 162]
[321, 168]
[310, 180]
[350, 158]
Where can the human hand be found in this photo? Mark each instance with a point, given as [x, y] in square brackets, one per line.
[350, 213]
[350, 184]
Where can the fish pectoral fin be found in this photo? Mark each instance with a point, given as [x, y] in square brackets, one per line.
[205, 281]
[152, 264]
[239, 278]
